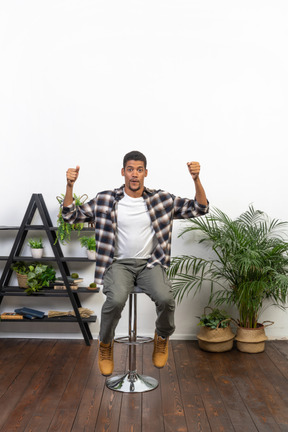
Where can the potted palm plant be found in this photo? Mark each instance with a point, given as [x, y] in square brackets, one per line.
[248, 270]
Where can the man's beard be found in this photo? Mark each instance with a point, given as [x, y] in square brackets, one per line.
[136, 187]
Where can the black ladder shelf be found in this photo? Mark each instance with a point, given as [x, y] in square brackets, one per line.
[37, 203]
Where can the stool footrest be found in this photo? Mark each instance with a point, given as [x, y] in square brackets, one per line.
[139, 340]
[131, 382]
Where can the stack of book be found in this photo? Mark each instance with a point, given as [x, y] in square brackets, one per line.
[29, 313]
[73, 282]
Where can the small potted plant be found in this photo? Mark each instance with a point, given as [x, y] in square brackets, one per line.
[21, 269]
[37, 276]
[36, 247]
[215, 334]
[90, 244]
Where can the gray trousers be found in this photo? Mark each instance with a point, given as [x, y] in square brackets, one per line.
[119, 281]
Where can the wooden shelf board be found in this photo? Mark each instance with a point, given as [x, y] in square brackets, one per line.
[45, 319]
[39, 227]
[46, 259]
[17, 291]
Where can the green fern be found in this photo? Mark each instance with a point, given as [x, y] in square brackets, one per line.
[64, 229]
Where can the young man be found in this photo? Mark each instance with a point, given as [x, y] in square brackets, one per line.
[133, 228]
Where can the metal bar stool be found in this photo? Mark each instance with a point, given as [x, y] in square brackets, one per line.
[131, 381]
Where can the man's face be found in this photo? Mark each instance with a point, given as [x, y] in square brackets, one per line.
[134, 173]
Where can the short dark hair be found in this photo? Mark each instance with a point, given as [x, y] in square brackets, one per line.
[134, 155]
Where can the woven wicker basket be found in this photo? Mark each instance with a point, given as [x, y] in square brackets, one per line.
[251, 340]
[22, 280]
[215, 340]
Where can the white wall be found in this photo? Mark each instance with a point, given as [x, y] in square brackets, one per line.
[84, 82]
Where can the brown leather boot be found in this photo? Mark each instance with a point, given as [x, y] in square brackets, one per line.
[105, 358]
[160, 353]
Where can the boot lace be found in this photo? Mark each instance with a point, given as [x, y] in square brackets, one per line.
[161, 345]
[106, 352]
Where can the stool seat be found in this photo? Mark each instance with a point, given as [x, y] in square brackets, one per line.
[137, 290]
[131, 381]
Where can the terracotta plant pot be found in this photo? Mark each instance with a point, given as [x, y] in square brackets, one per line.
[215, 340]
[250, 340]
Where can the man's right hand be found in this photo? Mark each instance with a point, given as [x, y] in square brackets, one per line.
[72, 175]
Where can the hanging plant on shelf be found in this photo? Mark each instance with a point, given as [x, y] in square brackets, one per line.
[64, 229]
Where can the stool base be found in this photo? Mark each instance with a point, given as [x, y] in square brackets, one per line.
[131, 382]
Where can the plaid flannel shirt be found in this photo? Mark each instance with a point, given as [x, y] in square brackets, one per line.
[162, 206]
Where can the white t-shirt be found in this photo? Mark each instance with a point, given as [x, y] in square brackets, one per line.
[135, 235]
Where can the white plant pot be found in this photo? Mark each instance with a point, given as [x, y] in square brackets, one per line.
[91, 254]
[37, 253]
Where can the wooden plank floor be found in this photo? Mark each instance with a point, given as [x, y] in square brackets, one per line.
[55, 385]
